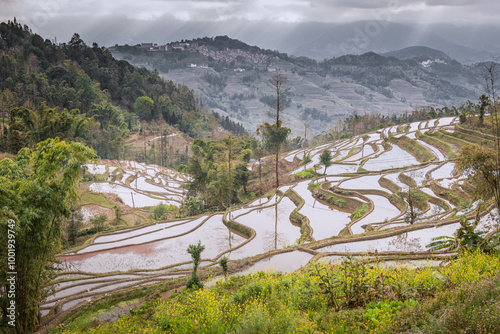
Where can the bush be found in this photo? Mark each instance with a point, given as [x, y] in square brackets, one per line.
[340, 202]
[161, 210]
[306, 174]
[98, 222]
[192, 206]
[314, 185]
[194, 282]
[358, 213]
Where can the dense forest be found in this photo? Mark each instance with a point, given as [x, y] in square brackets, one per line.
[78, 92]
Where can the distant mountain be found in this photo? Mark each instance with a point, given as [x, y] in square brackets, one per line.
[231, 77]
[381, 37]
[417, 52]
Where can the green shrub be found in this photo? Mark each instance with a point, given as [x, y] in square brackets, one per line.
[314, 185]
[379, 315]
[306, 174]
[98, 222]
[359, 212]
[161, 210]
[194, 282]
[340, 202]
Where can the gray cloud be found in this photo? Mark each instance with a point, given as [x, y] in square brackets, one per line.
[129, 21]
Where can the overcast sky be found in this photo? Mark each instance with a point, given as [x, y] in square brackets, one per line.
[126, 21]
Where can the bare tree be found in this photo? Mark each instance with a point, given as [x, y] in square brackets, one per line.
[278, 83]
[229, 142]
[490, 77]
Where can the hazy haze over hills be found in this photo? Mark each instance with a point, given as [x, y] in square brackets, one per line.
[465, 30]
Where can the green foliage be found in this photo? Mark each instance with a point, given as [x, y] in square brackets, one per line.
[91, 230]
[209, 169]
[340, 202]
[480, 164]
[466, 239]
[91, 96]
[421, 153]
[272, 137]
[441, 145]
[223, 264]
[306, 174]
[314, 185]
[295, 303]
[359, 212]
[37, 188]
[192, 206]
[98, 222]
[161, 210]
[326, 159]
[380, 313]
[194, 282]
[74, 225]
[472, 308]
[143, 106]
[418, 198]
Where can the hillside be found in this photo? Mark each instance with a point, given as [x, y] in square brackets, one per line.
[417, 52]
[231, 77]
[381, 37]
[77, 92]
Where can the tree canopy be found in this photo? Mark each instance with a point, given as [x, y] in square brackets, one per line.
[37, 189]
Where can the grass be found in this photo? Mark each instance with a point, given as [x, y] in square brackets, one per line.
[471, 138]
[450, 139]
[441, 145]
[93, 198]
[388, 184]
[351, 297]
[340, 202]
[306, 174]
[412, 146]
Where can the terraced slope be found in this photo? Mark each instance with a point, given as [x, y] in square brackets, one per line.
[359, 206]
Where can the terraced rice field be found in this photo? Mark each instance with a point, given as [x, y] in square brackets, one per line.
[358, 207]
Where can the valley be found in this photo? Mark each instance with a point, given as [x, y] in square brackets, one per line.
[357, 207]
[230, 77]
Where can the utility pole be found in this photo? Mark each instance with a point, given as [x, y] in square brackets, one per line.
[305, 143]
[277, 82]
[154, 148]
[144, 136]
[229, 164]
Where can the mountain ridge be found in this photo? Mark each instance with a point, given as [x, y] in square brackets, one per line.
[234, 84]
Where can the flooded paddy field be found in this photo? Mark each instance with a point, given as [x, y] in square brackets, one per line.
[153, 253]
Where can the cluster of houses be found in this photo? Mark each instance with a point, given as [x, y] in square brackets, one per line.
[428, 63]
[169, 47]
[228, 55]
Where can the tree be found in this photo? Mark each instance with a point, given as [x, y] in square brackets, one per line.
[479, 163]
[278, 82]
[74, 225]
[482, 164]
[143, 106]
[37, 189]
[223, 264]
[218, 170]
[412, 213]
[195, 251]
[466, 239]
[98, 222]
[484, 103]
[326, 159]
